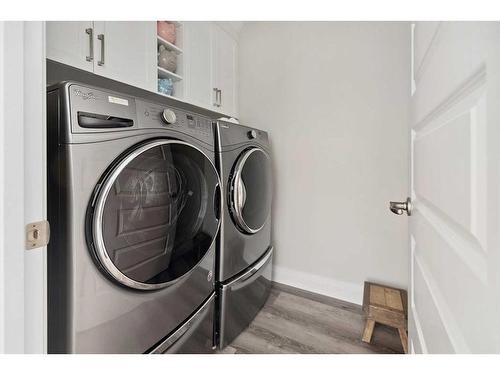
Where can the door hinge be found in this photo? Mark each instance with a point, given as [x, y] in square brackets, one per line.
[37, 234]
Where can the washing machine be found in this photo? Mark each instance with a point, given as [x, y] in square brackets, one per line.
[244, 249]
[134, 208]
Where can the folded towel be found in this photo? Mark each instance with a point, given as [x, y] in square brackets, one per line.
[166, 30]
[167, 59]
[166, 86]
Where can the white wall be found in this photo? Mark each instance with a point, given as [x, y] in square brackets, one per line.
[335, 98]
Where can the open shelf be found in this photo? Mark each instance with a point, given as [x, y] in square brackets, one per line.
[167, 96]
[164, 73]
[177, 48]
[168, 45]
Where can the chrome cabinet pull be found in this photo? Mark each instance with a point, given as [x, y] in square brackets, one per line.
[101, 38]
[90, 33]
[220, 98]
[399, 208]
[216, 90]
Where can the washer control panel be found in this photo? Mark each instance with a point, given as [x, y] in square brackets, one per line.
[153, 115]
[231, 135]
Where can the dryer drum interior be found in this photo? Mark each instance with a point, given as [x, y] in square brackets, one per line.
[155, 214]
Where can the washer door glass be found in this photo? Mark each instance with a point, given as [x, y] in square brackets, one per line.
[156, 214]
[251, 190]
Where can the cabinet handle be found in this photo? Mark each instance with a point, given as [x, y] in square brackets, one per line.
[220, 98]
[101, 38]
[90, 33]
[216, 103]
[217, 97]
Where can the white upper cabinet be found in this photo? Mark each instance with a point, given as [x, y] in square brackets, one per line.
[207, 53]
[71, 43]
[211, 67]
[123, 51]
[225, 55]
[198, 67]
[126, 52]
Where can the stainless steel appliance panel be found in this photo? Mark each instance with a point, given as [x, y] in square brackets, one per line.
[195, 336]
[242, 297]
[240, 247]
[89, 311]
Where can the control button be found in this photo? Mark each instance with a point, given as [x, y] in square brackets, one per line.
[252, 134]
[168, 116]
[146, 113]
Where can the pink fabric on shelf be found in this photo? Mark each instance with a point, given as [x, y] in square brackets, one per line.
[166, 30]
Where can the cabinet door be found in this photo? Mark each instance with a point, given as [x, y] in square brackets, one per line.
[126, 52]
[225, 72]
[70, 43]
[198, 64]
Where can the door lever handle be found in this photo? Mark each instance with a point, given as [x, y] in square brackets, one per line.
[399, 208]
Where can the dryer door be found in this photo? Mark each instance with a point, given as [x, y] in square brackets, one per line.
[250, 190]
[155, 214]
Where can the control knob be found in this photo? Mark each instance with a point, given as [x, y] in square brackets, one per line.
[168, 116]
[252, 134]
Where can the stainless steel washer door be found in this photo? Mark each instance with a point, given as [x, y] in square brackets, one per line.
[155, 214]
[250, 190]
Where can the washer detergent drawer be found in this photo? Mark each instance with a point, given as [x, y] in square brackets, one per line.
[243, 297]
[195, 335]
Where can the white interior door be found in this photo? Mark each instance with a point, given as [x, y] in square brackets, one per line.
[126, 52]
[455, 225]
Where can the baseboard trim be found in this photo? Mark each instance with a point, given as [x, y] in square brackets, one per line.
[341, 290]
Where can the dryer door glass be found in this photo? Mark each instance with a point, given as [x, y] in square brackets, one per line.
[156, 214]
[251, 190]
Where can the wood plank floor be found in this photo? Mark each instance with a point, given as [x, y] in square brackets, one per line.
[295, 321]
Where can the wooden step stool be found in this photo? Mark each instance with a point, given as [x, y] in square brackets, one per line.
[388, 306]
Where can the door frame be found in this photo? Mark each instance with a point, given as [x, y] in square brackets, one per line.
[23, 309]
[412, 330]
